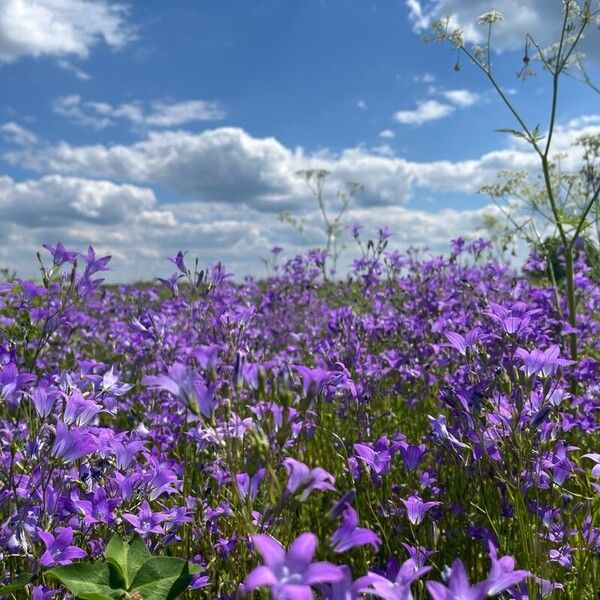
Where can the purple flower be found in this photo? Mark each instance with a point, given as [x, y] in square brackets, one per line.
[563, 556]
[596, 458]
[59, 550]
[184, 383]
[502, 574]
[177, 260]
[349, 535]
[290, 575]
[441, 433]
[544, 362]
[72, 444]
[79, 410]
[345, 588]
[248, 486]
[458, 587]
[59, 254]
[416, 509]
[378, 458]
[146, 521]
[463, 343]
[412, 456]
[313, 380]
[98, 509]
[301, 478]
[112, 385]
[397, 587]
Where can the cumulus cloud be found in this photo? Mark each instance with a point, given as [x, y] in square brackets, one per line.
[540, 18]
[387, 134]
[158, 113]
[426, 110]
[235, 186]
[60, 28]
[462, 98]
[229, 166]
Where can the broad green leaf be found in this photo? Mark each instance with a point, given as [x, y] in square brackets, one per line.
[93, 596]
[163, 578]
[127, 558]
[83, 579]
[20, 581]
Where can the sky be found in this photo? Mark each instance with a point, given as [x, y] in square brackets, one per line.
[145, 127]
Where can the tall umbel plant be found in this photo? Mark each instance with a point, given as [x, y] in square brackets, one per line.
[558, 60]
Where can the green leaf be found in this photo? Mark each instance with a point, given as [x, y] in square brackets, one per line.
[93, 596]
[163, 578]
[82, 579]
[127, 558]
[514, 132]
[20, 581]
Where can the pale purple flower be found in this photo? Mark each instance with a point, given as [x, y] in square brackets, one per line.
[503, 574]
[544, 362]
[291, 574]
[302, 478]
[416, 508]
[397, 587]
[458, 587]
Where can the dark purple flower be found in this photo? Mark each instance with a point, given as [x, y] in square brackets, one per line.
[412, 456]
[349, 535]
[59, 550]
[290, 575]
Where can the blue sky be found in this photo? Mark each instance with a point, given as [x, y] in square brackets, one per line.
[144, 127]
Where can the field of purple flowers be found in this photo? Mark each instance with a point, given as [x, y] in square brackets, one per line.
[416, 430]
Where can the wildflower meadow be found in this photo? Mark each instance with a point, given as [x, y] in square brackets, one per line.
[421, 425]
[415, 430]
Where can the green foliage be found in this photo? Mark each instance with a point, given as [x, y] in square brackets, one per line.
[18, 583]
[129, 569]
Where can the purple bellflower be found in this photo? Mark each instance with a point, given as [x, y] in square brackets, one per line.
[397, 587]
[59, 550]
[349, 535]
[146, 521]
[301, 478]
[416, 508]
[290, 575]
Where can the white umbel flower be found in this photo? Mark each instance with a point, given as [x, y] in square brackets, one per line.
[491, 17]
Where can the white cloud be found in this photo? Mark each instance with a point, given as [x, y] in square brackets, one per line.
[425, 78]
[59, 28]
[387, 134]
[462, 98]
[67, 65]
[235, 186]
[16, 134]
[540, 18]
[427, 110]
[362, 105]
[158, 113]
